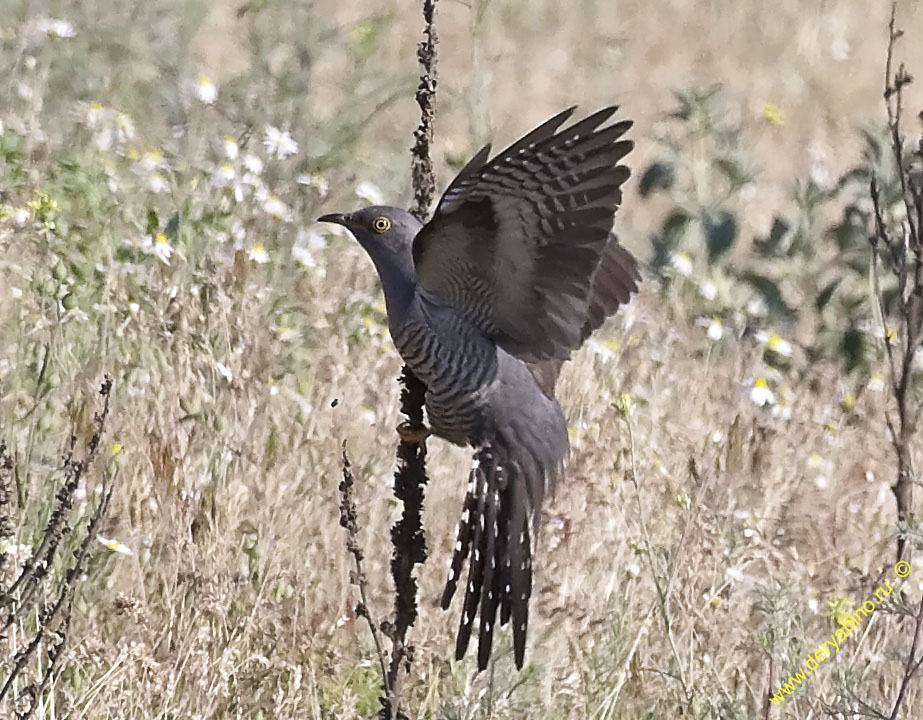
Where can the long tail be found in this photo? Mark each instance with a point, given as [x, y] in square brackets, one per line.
[494, 531]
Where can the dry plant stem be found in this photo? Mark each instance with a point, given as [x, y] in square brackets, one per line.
[6, 500]
[772, 683]
[912, 665]
[906, 252]
[410, 478]
[54, 619]
[407, 534]
[663, 593]
[348, 520]
[421, 168]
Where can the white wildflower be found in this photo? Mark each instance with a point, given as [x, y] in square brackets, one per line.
[272, 205]
[205, 91]
[159, 247]
[223, 175]
[258, 254]
[682, 263]
[715, 330]
[230, 147]
[370, 193]
[604, 349]
[94, 115]
[21, 216]
[151, 160]
[56, 27]
[125, 128]
[225, 371]
[776, 343]
[318, 182]
[279, 143]
[156, 183]
[308, 242]
[708, 290]
[114, 545]
[253, 164]
[761, 394]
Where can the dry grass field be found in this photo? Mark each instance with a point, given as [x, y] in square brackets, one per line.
[161, 165]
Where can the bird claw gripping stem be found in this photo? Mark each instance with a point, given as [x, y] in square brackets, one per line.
[414, 434]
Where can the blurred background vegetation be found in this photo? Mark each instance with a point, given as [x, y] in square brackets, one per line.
[160, 168]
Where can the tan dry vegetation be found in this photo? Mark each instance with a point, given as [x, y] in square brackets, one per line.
[237, 601]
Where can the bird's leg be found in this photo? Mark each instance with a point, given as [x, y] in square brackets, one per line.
[414, 434]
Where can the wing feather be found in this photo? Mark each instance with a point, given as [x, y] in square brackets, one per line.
[516, 241]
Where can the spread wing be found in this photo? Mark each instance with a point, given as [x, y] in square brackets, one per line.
[517, 243]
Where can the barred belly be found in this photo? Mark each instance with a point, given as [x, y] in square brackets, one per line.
[456, 364]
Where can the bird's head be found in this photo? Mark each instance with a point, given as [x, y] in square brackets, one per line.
[379, 229]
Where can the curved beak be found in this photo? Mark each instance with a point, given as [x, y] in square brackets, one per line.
[337, 218]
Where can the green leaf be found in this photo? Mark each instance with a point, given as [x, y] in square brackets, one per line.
[720, 232]
[735, 171]
[823, 297]
[852, 349]
[675, 226]
[771, 294]
[153, 222]
[659, 176]
[770, 247]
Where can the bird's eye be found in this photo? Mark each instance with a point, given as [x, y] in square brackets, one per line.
[381, 224]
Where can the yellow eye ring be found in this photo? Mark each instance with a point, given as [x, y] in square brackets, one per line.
[381, 224]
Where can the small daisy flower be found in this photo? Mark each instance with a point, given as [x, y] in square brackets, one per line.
[125, 128]
[223, 175]
[604, 349]
[708, 290]
[151, 160]
[279, 143]
[205, 91]
[761, 394]
[286, 333]
[21, 216]
[94, 115]
[370, 193]
[308, 242]
[258, 254]
[318, 182]
[272, 205]
[158, 246]
[114, 545]
[55, 27]
[876, 383]
[682, 263]
[303, 256]
[157, 183]
[230, 147]
[253, 164]
[776, 343]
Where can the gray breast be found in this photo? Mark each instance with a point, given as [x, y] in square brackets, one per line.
[454, 361]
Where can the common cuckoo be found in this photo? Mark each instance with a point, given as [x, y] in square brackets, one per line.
[485, 302]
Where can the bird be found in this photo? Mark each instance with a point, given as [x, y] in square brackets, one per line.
[516, 268]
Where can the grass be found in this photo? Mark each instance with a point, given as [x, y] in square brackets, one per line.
[700, 544]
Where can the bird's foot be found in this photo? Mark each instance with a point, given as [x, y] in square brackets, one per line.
[413, 434]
